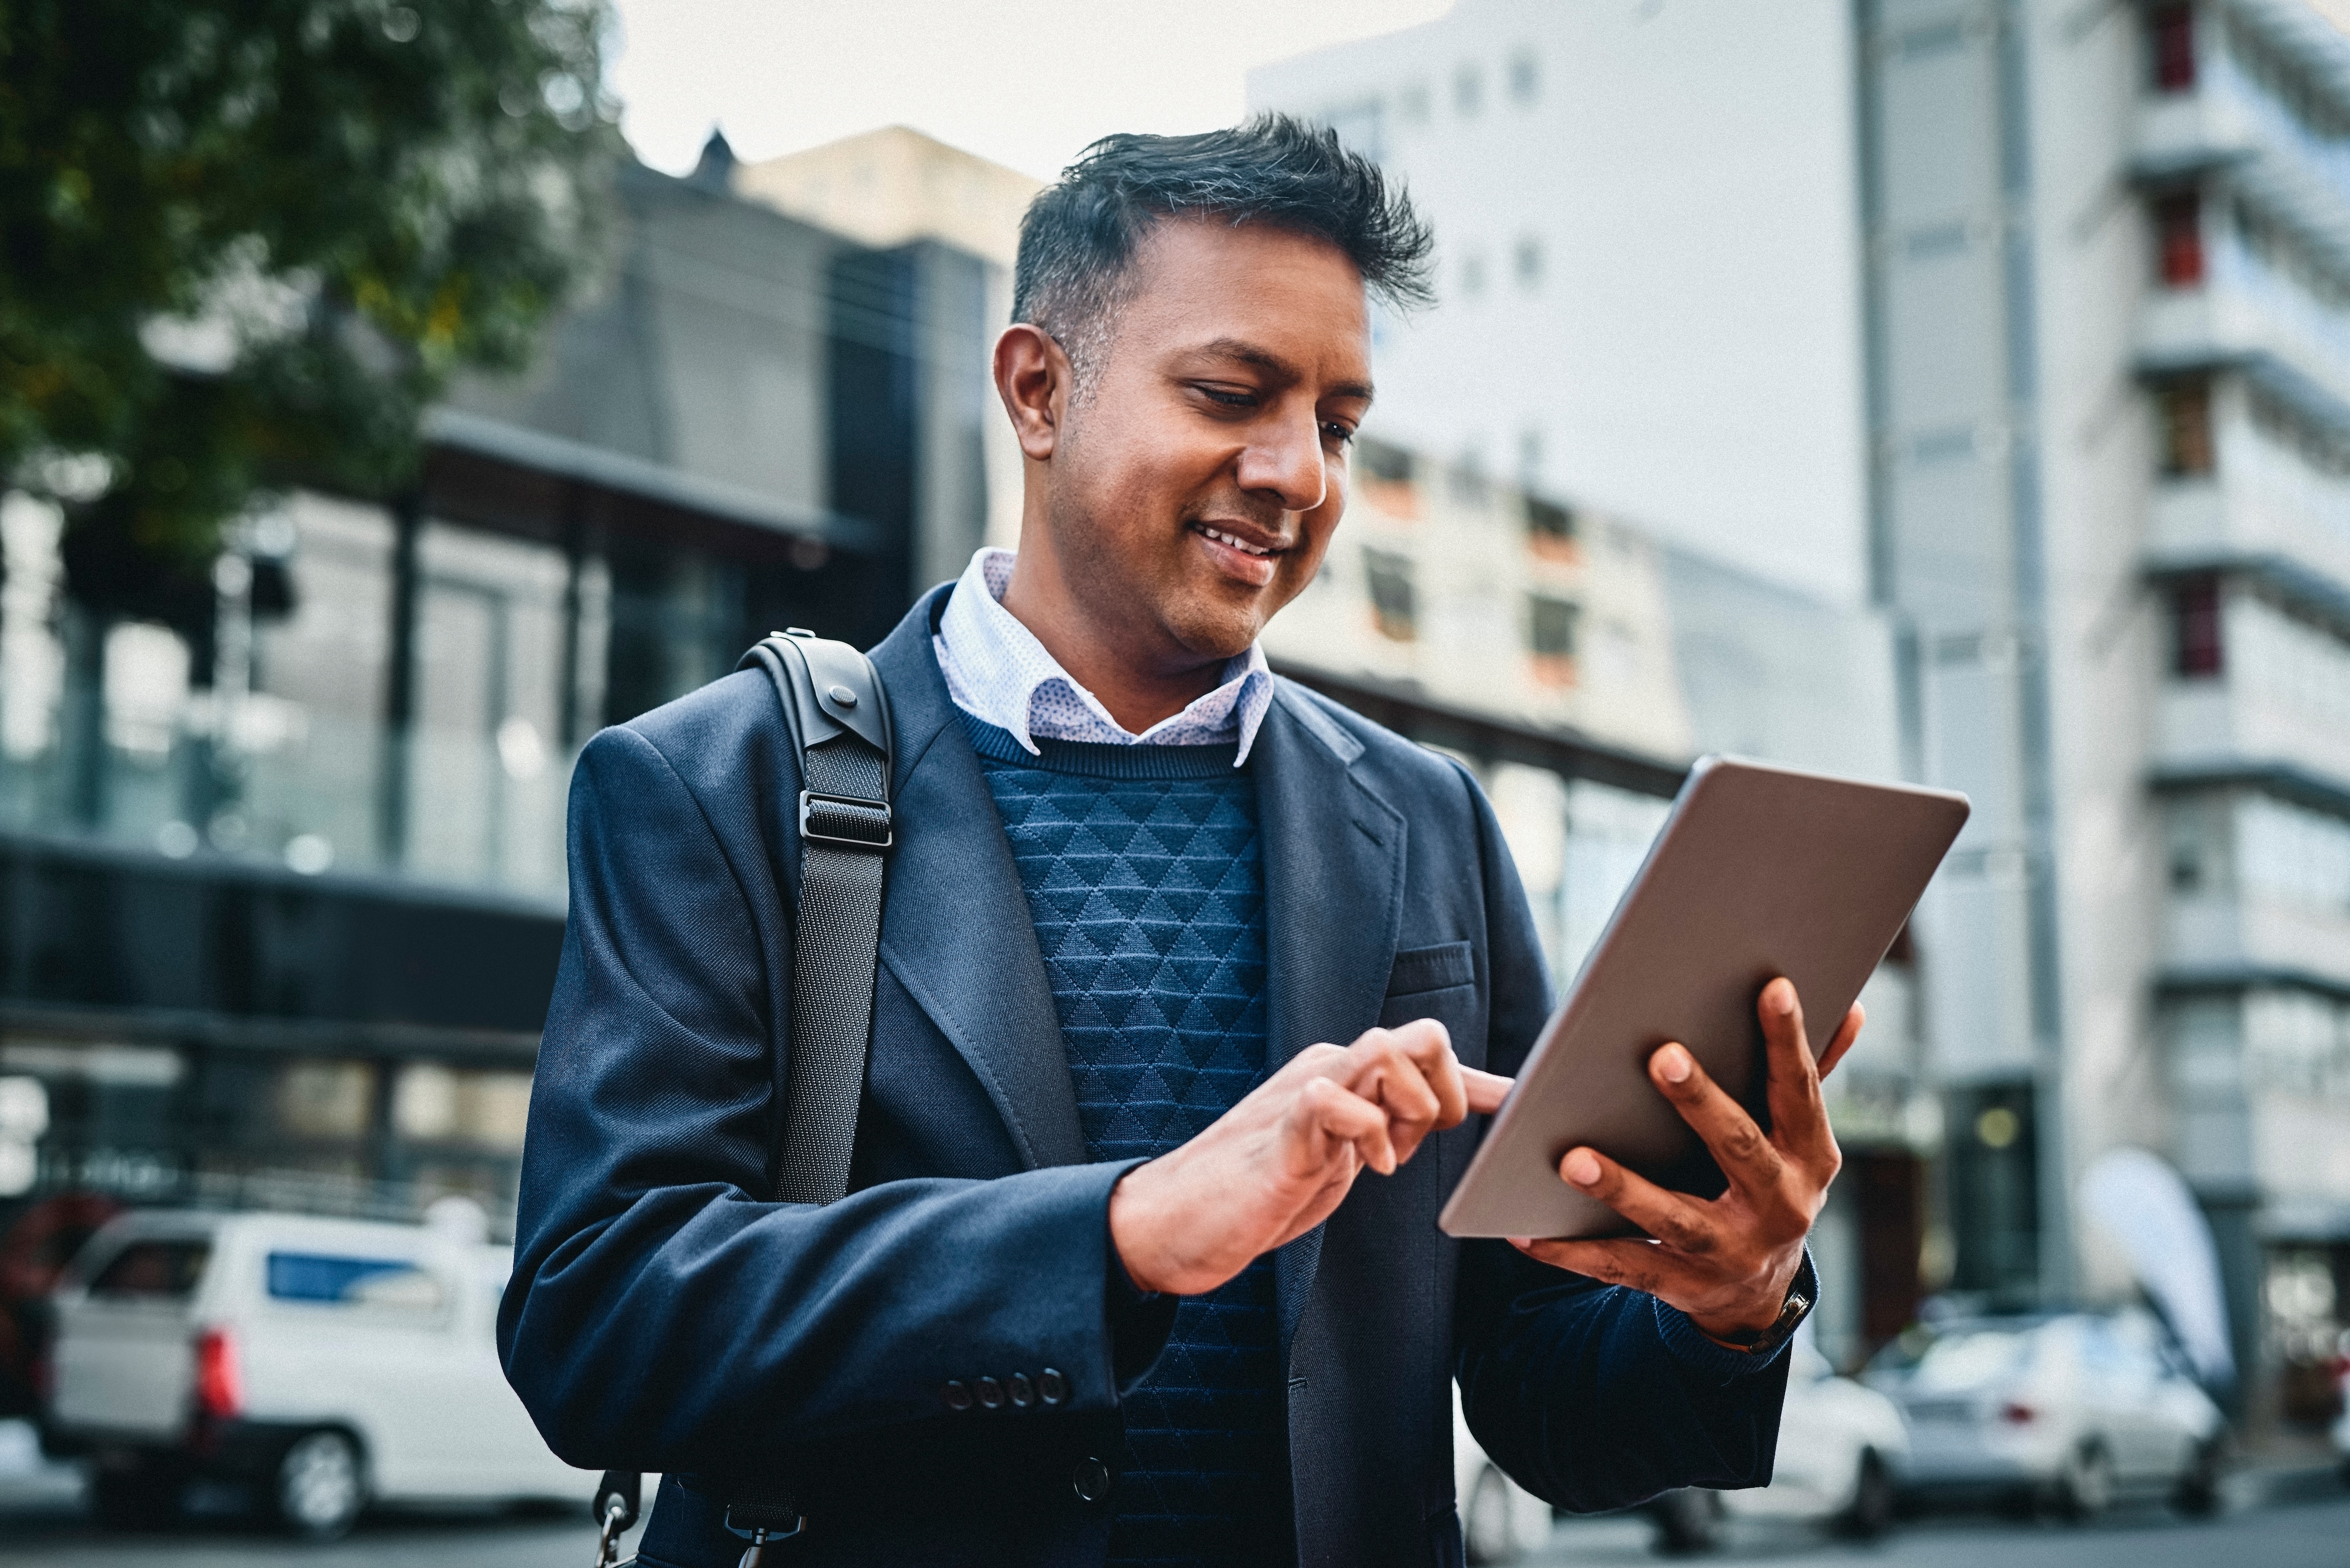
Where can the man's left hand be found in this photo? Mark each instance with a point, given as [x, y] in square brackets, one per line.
[1728, 1262]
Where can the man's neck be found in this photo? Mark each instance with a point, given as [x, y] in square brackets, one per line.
[1137, 690]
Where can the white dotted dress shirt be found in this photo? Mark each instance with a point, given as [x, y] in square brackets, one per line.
[999, 673]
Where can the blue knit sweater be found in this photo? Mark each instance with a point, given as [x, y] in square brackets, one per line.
[1146, 885]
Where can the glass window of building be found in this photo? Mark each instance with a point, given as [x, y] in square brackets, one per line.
[486, 787]
[2178, 239]
[1551, 533]
[1551, 624]
[1394, 604]
[2170, 46]
[2195, 627]
[1468, 91]
[2188, 450]
[1525, 78]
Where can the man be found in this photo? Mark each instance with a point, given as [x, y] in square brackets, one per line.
[1188, 981]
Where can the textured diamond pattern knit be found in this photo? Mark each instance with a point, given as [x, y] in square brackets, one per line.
[1146, 885]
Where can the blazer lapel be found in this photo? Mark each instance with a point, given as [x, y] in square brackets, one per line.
[955, 927]
[1334, 865]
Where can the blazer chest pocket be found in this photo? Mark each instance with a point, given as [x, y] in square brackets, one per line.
[1438, 967]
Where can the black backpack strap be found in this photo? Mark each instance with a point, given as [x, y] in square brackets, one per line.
[839, 716]
[839, 713]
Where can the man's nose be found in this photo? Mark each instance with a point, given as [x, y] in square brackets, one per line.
[1284, 460]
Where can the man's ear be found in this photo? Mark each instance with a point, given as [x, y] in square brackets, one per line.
[1032, 376]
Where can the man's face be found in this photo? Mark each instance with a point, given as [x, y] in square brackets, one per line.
[1200, 478]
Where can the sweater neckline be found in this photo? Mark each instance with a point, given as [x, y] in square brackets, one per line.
[1100, 760]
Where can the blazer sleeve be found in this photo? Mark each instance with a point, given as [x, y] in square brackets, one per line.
[661, 1314]
[1591, 1396]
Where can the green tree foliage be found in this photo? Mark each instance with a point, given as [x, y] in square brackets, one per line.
[242, 243]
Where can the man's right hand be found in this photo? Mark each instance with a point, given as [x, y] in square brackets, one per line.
[1276, 1165]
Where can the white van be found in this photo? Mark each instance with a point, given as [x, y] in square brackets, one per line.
[323, 1363]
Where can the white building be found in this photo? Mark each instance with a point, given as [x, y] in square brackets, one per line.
[2109, 334]
[2100, 258]
[1619, 190]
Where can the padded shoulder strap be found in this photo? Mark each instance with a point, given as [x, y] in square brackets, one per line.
[838, 712]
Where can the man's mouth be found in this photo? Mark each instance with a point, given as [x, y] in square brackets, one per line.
[1235, 540]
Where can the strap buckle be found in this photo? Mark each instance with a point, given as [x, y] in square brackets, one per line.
[847, 820]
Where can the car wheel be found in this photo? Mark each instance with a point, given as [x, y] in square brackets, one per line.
[1688, 1522]
[321, 1486]
[2197, 1491]
[1871, 1513]
[141, 1498]
[2085, 1489]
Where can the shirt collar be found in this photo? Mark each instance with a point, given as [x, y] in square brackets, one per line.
[998, 672]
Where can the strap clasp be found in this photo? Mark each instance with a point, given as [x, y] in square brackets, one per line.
[845, 820]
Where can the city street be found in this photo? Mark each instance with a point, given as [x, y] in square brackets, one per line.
[2311, 1534]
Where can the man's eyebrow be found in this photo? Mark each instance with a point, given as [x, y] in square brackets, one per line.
[1273, 364]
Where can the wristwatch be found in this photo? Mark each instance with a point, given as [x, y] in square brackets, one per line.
[1802, 1292]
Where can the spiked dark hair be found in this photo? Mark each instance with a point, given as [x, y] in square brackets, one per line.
[1078, 238]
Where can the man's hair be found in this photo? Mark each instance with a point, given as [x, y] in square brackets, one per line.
[1078, 239]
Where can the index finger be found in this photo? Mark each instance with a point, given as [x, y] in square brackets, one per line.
[1486, 1090]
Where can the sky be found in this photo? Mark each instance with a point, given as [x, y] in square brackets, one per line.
[1687, 143]
[1024, 82]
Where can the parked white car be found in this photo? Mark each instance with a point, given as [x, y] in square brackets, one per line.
[2068, 1410]
[1843, 1451]
[1500, 1520]
[323, 1363]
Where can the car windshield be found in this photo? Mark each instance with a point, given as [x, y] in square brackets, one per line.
[1961, 1358]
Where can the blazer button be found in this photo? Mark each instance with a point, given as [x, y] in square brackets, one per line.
[958, 1397]
[1024, 1393]
[990, 1393]
[1052, 1386]
[1089, 1478]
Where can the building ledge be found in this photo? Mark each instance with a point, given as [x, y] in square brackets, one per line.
[642, 479]
[234, 1032]
[2180, 981]
[2289, 781]
[1407, 712]
[2292, 580]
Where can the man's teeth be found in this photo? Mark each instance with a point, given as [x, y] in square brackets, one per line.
[1243, 545]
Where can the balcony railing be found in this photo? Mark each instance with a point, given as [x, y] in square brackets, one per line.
[2235, 726]
[2220, 934]
[2265, 501]
[2231, 122]
[2249, 313]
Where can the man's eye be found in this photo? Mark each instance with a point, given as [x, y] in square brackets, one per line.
[1229, 399]
[1338, 433]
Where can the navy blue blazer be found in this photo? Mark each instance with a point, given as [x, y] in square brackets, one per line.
[663, 1315]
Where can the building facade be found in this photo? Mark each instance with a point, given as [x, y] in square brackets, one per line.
[285, 878]
[2098, 277]
[2109, 300]
[896, 187]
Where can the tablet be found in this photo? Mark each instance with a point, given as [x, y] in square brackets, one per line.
[1759, 871]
